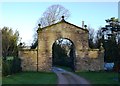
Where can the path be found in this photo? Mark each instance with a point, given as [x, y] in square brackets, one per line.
[69, 78]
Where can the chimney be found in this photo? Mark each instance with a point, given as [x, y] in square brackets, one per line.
[82, 24]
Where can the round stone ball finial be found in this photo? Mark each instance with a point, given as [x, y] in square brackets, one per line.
[39, 25]
[85, 26]
[62, 17]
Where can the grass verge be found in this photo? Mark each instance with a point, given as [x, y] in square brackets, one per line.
[100, 77]
[30, 78]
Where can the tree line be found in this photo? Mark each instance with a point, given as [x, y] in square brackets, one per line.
[10, 61]
[107, 36]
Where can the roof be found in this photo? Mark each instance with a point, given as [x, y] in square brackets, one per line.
[63, 21]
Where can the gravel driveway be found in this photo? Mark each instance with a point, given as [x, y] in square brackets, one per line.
[69, 78]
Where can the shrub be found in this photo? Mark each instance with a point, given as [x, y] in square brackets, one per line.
[16, 65]
[5, 68]
[11, 66]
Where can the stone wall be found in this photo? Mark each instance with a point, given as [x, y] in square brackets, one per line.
[28, 59]
[49, 35]
[92, 61]
[86, 59]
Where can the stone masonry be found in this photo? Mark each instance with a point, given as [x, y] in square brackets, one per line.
[41, 58]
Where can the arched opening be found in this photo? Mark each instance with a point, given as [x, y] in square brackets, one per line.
[63, 53]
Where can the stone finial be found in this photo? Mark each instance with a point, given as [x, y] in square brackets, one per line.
[101, 46]
[85, 26]
[63, 18]
[39, 25]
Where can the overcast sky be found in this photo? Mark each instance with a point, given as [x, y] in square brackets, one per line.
[23, 16]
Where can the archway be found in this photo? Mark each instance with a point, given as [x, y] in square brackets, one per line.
[63, 53]
[43, 56]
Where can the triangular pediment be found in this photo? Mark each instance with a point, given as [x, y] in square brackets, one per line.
[62, 21]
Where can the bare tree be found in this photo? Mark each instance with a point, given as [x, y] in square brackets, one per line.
[52, 15]
[98, 38]
[91, 37]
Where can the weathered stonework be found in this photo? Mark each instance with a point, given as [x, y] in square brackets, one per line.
[28, 59]
[86, 59]
[93, 61]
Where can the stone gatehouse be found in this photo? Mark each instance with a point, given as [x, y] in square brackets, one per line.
[40, 59]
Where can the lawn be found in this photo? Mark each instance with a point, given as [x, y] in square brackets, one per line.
[30, 78]
[51, 78]
[100, 77]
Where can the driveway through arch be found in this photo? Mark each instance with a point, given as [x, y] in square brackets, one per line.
[69, 78]
[63, 53]
[40, 58]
